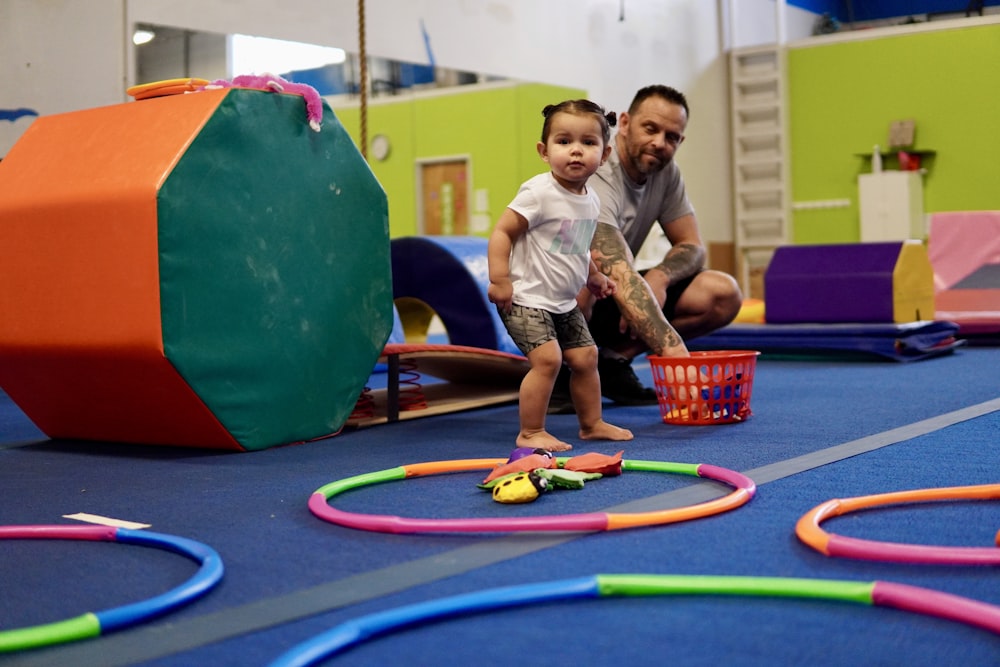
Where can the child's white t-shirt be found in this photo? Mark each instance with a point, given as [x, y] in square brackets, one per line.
[550, 263]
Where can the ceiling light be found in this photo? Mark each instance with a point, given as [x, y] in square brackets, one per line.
[142, 36]
[250, 54]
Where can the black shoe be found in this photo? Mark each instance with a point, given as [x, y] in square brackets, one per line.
[561, 403]
[620, 384]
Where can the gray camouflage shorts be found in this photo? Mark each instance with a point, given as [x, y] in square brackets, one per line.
[531, 327]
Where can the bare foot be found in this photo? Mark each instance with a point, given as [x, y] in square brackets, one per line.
[602, 430]
[543, 440]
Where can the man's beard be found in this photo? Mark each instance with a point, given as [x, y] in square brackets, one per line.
[648, 167]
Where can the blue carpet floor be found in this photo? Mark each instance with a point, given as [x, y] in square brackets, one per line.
[821, 429]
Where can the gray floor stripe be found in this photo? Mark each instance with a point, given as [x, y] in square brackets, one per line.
[812, 460]
[166, 639]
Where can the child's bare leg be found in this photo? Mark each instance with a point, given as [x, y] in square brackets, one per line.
[536, 389]
[585, 388]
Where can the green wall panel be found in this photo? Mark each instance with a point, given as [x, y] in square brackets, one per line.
[844, 95]
[396, 122]
[496, 127]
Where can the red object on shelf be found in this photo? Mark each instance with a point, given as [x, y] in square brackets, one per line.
[908, 161]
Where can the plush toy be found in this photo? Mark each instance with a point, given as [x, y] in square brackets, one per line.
[530, 472]
[521, 452]
[518, 487]
[594, 462]
[276, 84]
[526, 487]
[523, 464]
[566, 479]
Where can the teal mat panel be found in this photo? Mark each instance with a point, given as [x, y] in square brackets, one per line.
[275, 277]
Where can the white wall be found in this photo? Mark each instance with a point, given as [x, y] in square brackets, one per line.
[58, 56]
[757, 22]
[63, 55]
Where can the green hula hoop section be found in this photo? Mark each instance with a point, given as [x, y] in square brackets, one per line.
[877, 593]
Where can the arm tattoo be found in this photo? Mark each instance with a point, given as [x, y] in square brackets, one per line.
[608, 248]
[634, 298]
[682, 261]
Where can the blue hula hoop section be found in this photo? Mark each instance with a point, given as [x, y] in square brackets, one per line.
[95, 624]
[208, 575]
[451, 274]
[870, 594]
[366, 627]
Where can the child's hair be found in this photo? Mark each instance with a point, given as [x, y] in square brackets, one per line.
[607, 119]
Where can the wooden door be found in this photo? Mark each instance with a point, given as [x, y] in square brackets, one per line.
[445, 197]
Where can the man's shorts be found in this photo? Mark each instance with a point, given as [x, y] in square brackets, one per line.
[606, 316]
[531, 327]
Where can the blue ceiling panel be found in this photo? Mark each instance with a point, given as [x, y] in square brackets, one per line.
[873, 10]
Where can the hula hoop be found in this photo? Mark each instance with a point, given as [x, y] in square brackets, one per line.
[744, 489]
[809, 531]
[877, 593]
[94, 624]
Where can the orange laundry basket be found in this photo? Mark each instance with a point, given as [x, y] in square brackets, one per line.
[705, 388]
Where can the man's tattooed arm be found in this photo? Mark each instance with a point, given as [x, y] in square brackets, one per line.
[634, 297]
[682, 261]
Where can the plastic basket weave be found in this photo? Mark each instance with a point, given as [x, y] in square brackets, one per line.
[705, 388]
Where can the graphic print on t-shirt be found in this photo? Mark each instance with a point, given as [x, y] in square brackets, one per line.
[573, 237]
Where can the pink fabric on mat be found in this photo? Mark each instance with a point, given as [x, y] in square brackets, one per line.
[960, 242]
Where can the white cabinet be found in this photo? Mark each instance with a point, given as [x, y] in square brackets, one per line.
[892, 206]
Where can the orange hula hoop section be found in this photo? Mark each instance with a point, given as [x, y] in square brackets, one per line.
[743, 490]
[809, 529]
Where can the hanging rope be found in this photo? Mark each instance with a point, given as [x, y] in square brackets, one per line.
[363, 85]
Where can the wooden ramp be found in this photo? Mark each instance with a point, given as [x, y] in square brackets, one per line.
[425, 380]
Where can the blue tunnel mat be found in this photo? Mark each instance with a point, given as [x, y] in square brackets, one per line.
[911, 341]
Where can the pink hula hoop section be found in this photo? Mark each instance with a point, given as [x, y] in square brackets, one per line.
[810, 532]
[743, 490]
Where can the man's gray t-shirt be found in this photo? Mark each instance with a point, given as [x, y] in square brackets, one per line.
[634, 208]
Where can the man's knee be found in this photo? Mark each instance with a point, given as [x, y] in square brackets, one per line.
[714, 300]
[716, 290]
[728, 296]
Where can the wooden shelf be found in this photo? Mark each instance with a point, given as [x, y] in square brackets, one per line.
[891, 159]
[884, 154]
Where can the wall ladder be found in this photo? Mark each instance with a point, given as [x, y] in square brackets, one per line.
[760, 160]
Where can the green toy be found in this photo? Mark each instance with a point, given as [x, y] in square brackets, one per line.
[566, 479]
